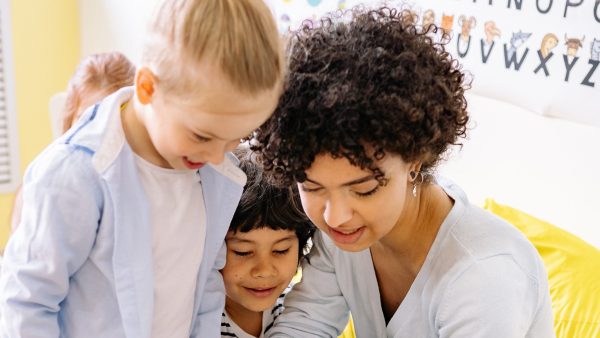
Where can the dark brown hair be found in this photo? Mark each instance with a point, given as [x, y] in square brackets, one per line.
[362, 84]
[264, 205]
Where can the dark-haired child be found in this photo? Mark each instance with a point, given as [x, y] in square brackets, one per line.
[265, 243]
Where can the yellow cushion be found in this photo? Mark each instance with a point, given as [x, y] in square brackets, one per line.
[349, 330]
[573, 272]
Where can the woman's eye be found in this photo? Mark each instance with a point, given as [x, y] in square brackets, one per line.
[306, 189]
[241, 253]
[281, 252]
[367, 193]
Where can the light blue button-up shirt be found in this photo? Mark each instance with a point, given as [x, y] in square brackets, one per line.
[80, 263]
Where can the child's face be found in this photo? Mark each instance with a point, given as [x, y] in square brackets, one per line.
[186, 135]
[260, 265]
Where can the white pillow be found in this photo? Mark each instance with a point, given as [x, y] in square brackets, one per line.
[544, 166]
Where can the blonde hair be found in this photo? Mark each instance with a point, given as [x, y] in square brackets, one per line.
[238, 36]
[97, 73]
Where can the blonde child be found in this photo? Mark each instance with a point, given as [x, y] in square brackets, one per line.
[266, 241]
[96, 76]
[125, 215]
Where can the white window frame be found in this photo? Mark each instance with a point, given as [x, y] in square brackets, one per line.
[9, 154]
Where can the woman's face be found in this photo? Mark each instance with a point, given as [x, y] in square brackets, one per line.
[348, 203]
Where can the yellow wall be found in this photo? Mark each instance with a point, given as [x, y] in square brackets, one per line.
[45, 38]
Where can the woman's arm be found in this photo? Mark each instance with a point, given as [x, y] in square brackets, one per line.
[315, 307]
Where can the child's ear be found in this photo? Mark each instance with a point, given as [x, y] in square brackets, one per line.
[145, 83]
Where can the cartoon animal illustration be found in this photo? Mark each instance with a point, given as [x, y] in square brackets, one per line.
[491, 31]
[466, 24]
[516, 41]
[573, 44]
[595, 50]
[410, 16]
[428, 19]
[549, 41]
[447, 21]
[487, 44]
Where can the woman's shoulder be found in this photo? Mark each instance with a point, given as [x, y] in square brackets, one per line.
[477, 234]
[471, 236]
[485, 235]
[484, 263]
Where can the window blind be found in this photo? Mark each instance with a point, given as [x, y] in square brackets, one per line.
[9, 161]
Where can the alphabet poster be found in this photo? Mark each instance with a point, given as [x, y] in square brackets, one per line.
[542, 55]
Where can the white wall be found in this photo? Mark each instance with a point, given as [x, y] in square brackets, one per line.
[109, 25]
[546, 167]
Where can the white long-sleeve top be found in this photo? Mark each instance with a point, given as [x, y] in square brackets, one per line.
[481, 278]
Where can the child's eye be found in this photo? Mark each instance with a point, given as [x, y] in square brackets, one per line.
[201, 138]
[241, 253]
[368, 193]
[281, 252]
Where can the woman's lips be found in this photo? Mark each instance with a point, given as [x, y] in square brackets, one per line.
[343, 236]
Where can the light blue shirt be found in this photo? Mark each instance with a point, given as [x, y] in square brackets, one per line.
[80, 263]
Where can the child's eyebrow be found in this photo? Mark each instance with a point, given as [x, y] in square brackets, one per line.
[287, 238]
[349, 183]
[242, 240]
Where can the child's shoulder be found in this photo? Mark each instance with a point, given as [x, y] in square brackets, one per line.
[78, 153]
[100, 125]
[277, 308]
[63, 175]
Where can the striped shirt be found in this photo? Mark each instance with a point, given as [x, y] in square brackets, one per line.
[230, 329]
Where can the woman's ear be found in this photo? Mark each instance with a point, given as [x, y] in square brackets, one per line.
[415, 169]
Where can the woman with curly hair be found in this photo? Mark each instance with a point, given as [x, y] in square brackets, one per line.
[371, 104]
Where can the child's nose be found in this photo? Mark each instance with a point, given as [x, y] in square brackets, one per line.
[264, 269]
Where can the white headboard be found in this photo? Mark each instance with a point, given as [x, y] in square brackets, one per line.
[549, 168]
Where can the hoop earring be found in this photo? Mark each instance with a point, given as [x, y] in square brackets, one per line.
[413, 177]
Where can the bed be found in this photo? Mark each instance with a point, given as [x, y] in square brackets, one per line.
[541, 175]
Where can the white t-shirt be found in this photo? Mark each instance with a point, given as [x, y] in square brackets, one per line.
[229, 328]
[178, 219]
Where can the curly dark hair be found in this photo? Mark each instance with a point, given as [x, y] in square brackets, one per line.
[363, 87]
[264, 205]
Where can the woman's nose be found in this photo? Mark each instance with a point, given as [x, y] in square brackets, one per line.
[337, 212]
